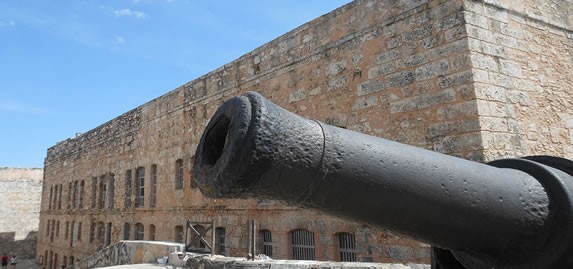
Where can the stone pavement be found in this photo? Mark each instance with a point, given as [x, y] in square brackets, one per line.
[27, 264]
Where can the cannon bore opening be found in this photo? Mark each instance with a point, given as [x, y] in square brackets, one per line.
[215, 140]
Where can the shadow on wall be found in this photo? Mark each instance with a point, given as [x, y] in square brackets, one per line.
[24, 249]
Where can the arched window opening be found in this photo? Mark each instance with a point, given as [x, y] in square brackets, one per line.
[139, 233]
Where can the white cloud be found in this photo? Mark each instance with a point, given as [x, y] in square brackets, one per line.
[126, 12]
[119, 40]
[9, 23]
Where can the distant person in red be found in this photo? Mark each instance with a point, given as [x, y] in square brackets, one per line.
[4, 260]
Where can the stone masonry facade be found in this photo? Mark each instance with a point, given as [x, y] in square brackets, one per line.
[20, 193]
[477, 79]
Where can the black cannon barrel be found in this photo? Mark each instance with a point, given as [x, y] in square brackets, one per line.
[512, 213]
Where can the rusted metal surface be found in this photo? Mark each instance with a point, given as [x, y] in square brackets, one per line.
[512, 213]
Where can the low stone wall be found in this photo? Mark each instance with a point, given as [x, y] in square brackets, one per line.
[219, 262]
[129, 252]
[146, 253]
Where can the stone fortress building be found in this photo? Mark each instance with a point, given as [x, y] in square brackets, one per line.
[20, 195]
[478, 79]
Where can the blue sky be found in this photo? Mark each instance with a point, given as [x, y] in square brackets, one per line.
[70, 66]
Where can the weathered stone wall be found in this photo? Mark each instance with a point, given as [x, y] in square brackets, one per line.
[449, 75]
[522, 54]
[20, 191]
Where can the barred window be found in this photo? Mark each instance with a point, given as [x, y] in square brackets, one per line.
[347, 247]
[179, 174]
[139, 187]
[302, 244]
[267, 244]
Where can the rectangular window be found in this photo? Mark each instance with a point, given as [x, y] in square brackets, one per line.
[347, 247]
[92, 231]
[153, 194]
[74, 234]
[102, 191]
[75, 198]
[94, 192]
[127, 195]
[192, 181]
[302, 242]
[126, 231]
[179, 234]
[60, 197]
[100, 232]
[54, 201]
[52, 231]
[267, 242]
[139, 187]
[69, 199]
[112, 191]
[220, 240]
[139, 232]
[108, 234]
[51, 196]
[82, 192]
[179, 174]
[67, 232]
[80, 231]
[152, 232]
[58, 228]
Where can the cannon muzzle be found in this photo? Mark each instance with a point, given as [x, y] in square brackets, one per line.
[510, 213]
